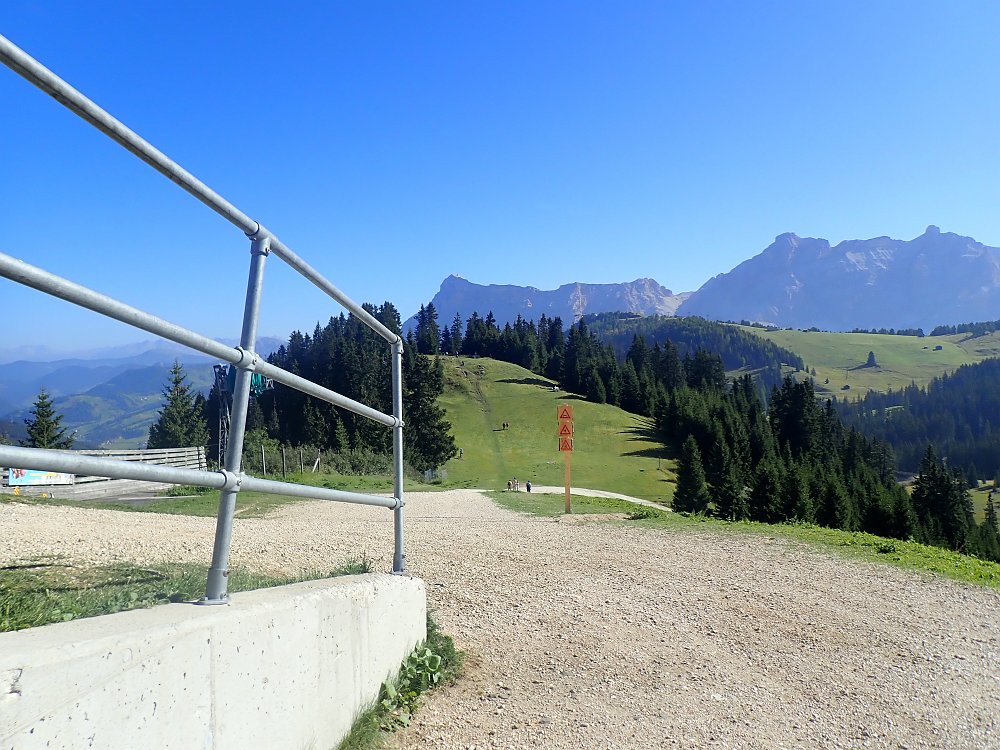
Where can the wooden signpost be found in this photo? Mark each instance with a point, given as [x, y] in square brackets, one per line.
[564, 420]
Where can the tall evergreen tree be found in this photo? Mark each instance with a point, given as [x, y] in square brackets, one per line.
[45, 426]
[731, 501]
[428, 333]
[692, 494]
[428, 441]
[180, 423]
[456, 335]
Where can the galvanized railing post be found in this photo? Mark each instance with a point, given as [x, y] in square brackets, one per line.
[216, 588]
[398, 557]
[244, 358]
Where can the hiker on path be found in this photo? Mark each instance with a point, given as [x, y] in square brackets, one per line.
[527, 485]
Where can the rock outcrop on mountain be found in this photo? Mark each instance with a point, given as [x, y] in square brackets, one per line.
[801, 282]
[569, 302]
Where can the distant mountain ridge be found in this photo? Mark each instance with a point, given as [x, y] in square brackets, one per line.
[569, 302]
[802, 282]
[105, 399]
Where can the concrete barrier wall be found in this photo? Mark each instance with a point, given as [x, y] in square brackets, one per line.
[287, 667]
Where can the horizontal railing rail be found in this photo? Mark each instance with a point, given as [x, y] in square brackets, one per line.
[229, 480]
[57, 286]
[74, 463]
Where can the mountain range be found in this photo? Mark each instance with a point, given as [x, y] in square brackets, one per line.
[110, 396]
[803, 282]
[569, 302]
[796, 282]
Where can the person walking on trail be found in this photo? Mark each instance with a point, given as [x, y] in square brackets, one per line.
[527, 485]
[510, 485]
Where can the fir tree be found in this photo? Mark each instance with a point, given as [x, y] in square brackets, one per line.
[731, 497]
[765, 492]
[428, 441]
[181, 422]
[456, 334]
[45, 426]
[691, 495]
[798, 502]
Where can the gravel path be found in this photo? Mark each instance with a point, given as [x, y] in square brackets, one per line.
[590, 635]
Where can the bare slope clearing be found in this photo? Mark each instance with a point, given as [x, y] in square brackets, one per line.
[614, 450]
[592, 635]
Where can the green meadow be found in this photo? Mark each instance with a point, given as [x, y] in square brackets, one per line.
[840, 357]
[613, 450]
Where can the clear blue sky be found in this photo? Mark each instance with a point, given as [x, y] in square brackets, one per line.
[533, 143]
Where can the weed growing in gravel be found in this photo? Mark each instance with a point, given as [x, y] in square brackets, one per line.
[435, 662]
[46, 591]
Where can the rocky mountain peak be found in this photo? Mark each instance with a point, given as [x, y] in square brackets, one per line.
[569, 302]
[938, 277]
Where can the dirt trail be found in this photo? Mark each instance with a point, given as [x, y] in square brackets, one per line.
[589, 635]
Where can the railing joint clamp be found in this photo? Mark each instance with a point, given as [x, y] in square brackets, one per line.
[249, 359]
[260, 241]
[233, 481]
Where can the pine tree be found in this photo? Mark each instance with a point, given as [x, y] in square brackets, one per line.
[427, 441]
[731, 496]
[692, 494]
[180, 423]
[44, 428]
[456, 334]
[765, 492]
[596, 391]
[798, 502]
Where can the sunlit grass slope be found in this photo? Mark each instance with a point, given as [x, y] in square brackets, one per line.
[901, 359]
[614, 450]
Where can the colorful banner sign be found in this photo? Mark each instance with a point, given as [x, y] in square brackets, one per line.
[26, 477]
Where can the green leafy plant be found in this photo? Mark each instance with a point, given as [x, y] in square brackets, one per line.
[399, 698]
[436, 662]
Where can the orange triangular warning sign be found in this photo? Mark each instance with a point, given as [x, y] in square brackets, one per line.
[565, 411]
[565, 444]
[565, 429]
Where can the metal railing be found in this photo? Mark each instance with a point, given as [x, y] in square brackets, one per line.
[230, 480]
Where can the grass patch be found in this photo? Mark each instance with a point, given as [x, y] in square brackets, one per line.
[200, 501]
[903, 554]
[555, 505]
[45, 591]
[434, 663]
[248, 504]
[184, 491]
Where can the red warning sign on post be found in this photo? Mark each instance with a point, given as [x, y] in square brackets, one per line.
[565, 412]
[566, 444]
[565, 429]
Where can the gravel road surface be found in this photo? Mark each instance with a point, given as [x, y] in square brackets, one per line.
[584, 634]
